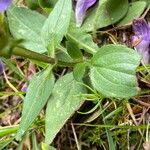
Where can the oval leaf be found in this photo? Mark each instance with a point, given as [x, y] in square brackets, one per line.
[135, 10]
[108, 12]
[112, 71]
[26, 24]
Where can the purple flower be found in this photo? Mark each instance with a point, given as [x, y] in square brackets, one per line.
[1, 67]
[141, 39]
[81, 8]
[4, 4]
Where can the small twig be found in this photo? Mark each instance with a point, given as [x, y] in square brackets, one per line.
[128, 137]
[141, 102]
[142, 116]
[11, 86]
[133, 118]
[75, 136]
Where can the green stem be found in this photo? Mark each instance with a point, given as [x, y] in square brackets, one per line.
[32, 55]
[19, 51]
[67, 64]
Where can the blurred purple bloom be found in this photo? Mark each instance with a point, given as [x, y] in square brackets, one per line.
[24, 87]
[1, 67]
[4, 4]
[141, 39]
[81, 8]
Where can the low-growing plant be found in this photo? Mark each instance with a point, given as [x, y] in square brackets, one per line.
[78, 60]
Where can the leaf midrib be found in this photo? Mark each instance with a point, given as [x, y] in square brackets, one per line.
[91, 50]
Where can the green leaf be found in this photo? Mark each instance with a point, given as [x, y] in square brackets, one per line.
[65, 100]
[56, 25]
[74, 51]
[135, 10]
[106, 13]
[13, 68]
[34, 142]
[3, 38]
[27, 24]
[32, 4]
[79, 71]
[113, 113]
[38, 93]
[112, 71]
[5, 131]
[82, 39]
[47, 147]
[44, 4]
[147, 2]
[112, 144]
[4, 142]
[62, 54]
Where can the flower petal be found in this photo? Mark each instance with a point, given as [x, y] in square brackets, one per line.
[4, 4]
[141, 28]
[1, 67]
[141, 39]
[81, 8]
